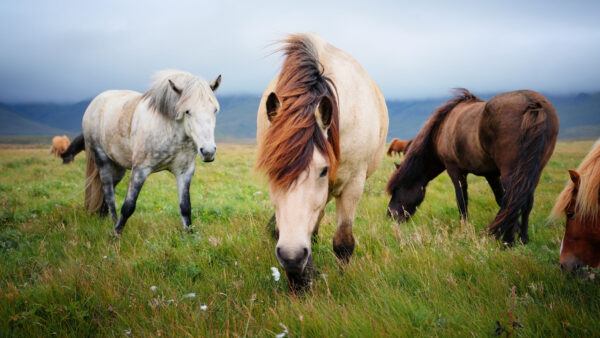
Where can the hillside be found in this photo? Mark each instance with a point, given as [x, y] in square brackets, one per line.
[579, 116]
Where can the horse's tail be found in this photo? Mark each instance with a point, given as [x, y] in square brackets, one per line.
[533, 140]
[94, 195]
[74, 148]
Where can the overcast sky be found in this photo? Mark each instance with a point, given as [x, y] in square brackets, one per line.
[70, 50]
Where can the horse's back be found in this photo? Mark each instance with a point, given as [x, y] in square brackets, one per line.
[363, 119]
[505, 119]
[107, 123]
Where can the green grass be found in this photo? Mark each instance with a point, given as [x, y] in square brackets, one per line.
[62, 273]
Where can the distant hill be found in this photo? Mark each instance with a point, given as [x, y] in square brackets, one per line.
[579, 116]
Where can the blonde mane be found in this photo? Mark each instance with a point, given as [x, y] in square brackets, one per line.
[162, 98]
[589, 187]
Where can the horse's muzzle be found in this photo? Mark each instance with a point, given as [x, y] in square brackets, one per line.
[208, 153]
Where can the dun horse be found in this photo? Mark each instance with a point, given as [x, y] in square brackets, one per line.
[162, 129]
[579, 202]
[508, 140]
[322, 125]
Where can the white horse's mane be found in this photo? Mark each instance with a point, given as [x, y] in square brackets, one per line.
[162, 98]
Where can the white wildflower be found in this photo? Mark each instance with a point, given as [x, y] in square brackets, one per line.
[284, 333]
[275, 273]
[127, 332]
[153, 288]
[257, 193]
[105, 257]
[203, 307]
[189, 295]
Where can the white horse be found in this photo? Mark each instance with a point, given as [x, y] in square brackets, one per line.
[321, 130]
[162, 129]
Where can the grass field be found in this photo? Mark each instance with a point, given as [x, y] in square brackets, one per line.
[63, 274]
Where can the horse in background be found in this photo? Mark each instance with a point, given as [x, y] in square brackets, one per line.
[579, 203]
[59, 145]
[397, 146]
[321, 130]
[77, 146]
[162, 129]
[508, 140]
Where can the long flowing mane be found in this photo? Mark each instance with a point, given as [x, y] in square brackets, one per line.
[417, 155]
[162, 98]
[289, 142]
[589, 187]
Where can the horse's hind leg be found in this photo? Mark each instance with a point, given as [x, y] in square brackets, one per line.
[459, 179]
[524, 232]
[138, 177]
[110, 175]
[496, 185]
[345, 205]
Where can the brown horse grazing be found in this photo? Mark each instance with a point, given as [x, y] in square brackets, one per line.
[77, 146]
[59, 145]
[508, 140]
[397, 146]
[579, 202]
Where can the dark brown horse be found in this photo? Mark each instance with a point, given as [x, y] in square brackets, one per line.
[508, 140]
[579, 203]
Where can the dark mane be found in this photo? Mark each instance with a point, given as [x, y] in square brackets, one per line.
[289, 142]
[417, 155]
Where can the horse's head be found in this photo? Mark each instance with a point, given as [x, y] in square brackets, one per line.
[581, 244]
[300, 162]
[197, 109]
[406, 197]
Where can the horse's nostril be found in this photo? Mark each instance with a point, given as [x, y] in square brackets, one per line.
[201, 150]
[305, 252]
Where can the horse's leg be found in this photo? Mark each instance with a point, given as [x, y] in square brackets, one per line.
[345, 207]
[138, 177]
[110, 175]
[184, 180]
[459, 179]
[524, 232]
[496, 185]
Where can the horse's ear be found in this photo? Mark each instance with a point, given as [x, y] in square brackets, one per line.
[324, 113]
[175, 88]
[214, 84]
[273, 104]
[575, 177]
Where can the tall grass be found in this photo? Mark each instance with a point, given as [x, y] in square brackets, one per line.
[62, 273]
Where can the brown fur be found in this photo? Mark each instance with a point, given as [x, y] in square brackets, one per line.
[289, 142]
[59, 145]
[397, 146]
[94, 195]
[508, 139]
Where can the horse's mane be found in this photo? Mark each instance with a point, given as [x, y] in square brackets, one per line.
[162, 98]
[589, 187]
[416, 156]
[289, 142]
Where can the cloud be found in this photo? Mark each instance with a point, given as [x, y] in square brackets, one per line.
[69, 50]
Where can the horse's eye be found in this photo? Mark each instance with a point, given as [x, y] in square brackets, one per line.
[323, 172]
[570, 214]
[187, 112]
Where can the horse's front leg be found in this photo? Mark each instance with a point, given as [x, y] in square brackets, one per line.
[184, 179]
[459, 179]
[345, 206]
[138, 177]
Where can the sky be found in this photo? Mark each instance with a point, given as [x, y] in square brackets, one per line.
[66, 51]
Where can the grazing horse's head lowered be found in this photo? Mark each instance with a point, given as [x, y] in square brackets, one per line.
[579, 203]
[185, 99]
[300, 153]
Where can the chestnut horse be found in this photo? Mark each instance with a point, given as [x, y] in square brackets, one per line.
[321, 130]
[508, 140]
[59, 145]
[397, 146]
[579, 202]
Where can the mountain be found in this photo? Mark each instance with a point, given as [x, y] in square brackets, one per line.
[579, 116]
[13, 124]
